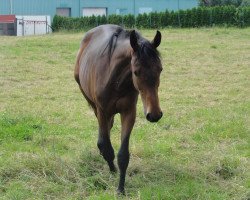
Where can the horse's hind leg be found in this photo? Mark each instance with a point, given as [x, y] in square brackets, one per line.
[104, 143]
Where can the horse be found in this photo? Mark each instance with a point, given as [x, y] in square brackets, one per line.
[113, 66]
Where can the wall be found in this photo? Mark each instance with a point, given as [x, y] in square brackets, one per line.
[48, 7]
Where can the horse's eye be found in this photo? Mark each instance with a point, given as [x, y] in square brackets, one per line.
[137, 72]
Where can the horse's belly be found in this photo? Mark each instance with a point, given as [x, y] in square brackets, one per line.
[86, 79]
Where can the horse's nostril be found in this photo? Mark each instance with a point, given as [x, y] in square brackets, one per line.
[161, 114]
[153, 118]
[148, 117]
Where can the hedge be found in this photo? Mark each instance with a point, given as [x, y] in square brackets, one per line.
[196, 17]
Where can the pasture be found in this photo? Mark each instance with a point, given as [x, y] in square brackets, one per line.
[198, 150]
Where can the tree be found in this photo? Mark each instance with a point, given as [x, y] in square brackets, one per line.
[221, 2]
[245, 3]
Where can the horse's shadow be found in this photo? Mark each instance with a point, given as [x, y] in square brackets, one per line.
[142, 172]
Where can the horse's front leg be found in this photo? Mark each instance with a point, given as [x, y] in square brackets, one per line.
[127, 121]
[104, 143]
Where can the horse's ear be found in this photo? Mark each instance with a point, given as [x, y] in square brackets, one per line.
[157, 40]
[133, 40]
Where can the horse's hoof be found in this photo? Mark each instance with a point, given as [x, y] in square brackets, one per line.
[121, 192]
[112, 168]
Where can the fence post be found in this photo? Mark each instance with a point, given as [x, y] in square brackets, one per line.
[210, 16]
[179, 20]
[134, 21]
[22, 26]
[150, 21]
[46, 24]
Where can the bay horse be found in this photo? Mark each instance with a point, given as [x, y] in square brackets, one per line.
[113, 67]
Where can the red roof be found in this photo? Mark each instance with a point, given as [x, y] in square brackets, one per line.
[7, 18]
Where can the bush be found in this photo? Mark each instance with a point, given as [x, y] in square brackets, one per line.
[245, 3]
[115, 19]
[129, 21]
[243, 16]
[196, 17]
[220, 2]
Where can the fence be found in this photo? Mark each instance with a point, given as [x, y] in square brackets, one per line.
[32, 25]
[24, 25]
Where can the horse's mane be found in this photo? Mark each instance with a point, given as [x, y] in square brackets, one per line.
[112, 42]
[145, 50]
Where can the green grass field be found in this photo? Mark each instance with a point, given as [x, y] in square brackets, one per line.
[199, 149]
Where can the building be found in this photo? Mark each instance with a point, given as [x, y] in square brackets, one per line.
[24, 25]
[77, 8]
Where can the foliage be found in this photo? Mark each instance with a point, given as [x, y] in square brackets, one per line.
[196, 17]
[245, 3]
[220, 2]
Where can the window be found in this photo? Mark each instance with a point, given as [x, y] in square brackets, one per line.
[66, 12]
[86, 12]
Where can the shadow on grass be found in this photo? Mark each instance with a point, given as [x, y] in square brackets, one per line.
[149, 179]
[88, 174]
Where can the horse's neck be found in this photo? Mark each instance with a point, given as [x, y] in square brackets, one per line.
[121, 65]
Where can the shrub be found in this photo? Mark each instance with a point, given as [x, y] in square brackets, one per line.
[220, 2]
[196, 17]
[115, 19]
[129, 21]
[245, 3]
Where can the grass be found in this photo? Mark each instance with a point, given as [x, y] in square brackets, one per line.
[199, 150]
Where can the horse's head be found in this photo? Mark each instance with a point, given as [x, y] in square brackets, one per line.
[146, 68]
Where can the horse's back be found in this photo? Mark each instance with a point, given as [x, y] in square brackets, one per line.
[90, 60]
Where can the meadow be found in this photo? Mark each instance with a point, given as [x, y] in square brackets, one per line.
[198, 150]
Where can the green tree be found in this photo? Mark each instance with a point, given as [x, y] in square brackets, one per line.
[245, 3]
[220, 2]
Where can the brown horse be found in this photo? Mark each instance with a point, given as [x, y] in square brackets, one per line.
[113, 66]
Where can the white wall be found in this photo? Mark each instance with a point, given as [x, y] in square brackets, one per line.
[33, 25]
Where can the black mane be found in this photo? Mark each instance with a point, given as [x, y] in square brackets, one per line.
[112, 42]
[145, 50]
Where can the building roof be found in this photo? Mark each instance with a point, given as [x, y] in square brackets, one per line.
[7, 18]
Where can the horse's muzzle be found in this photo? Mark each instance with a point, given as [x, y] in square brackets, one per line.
[154, 118]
